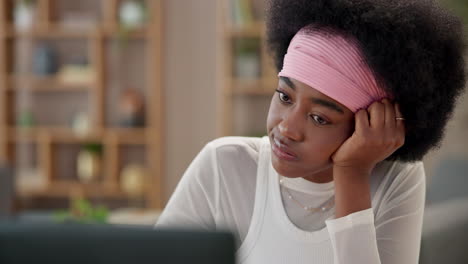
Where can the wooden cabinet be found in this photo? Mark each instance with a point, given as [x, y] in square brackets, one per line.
[249, 78]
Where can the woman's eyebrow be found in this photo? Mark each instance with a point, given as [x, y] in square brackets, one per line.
[288, 82]
[318, 101]
[328, 104]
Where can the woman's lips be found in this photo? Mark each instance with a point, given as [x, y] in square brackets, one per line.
[282, 151]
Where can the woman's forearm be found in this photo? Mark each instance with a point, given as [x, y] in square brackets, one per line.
[352, 190]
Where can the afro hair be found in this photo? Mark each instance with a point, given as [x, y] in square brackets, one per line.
[414, 47]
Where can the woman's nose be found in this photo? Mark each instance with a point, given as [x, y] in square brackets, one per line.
[291, 126]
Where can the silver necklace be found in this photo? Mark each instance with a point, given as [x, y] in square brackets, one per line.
[324, 207]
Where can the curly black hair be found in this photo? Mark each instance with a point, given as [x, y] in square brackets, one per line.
[414, 47]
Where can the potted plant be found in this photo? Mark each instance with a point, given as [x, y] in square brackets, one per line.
[82, 211]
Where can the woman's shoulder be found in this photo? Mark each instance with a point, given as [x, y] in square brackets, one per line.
[393, 177]
[394, 170]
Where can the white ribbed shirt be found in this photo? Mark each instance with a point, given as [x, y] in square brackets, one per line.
[231, 185]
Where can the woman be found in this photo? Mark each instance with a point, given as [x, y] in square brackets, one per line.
[365, 90]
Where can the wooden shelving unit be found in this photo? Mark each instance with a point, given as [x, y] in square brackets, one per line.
[237, 90]
[45, 138]
[44, 84]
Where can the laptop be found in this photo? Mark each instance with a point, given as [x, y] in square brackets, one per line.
[106, 244]
[6, 192]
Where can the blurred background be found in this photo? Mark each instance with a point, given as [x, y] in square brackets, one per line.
[104, 103]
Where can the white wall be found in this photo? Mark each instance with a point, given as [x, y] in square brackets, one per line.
[190, 80]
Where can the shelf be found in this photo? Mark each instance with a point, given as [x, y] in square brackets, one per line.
[134, 34]
[239, 35]
[67, 135]
[128, 135]
[54, 31]
[59, 31]
[258, 87]
[254, 30]
[91, 87]
[56, 134]
[45, 84]
[63, 189]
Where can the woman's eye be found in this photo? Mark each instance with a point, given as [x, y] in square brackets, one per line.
[284, 97]
[319, 120]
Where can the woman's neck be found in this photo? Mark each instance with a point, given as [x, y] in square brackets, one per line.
[322, 176]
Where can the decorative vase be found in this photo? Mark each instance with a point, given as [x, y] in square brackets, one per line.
[132, 180]
[88, 166]
[131, 14]
[24, 15]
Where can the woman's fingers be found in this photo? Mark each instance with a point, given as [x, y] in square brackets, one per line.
[377, 115]
[390, 121]
[400, 125]
[400, 122]
[377, 135]
[362, 121]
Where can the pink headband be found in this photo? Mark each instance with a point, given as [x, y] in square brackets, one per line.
[333, 65]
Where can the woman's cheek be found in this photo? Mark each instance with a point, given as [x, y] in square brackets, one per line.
[326, 141]
[273, 117]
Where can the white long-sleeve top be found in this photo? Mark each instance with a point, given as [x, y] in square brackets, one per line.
[224, 185]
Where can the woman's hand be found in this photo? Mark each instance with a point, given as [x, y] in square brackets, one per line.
[377, 135]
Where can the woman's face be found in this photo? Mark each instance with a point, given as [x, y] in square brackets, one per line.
[305, 128]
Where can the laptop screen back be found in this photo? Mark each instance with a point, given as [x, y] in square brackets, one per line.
[92, 244]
